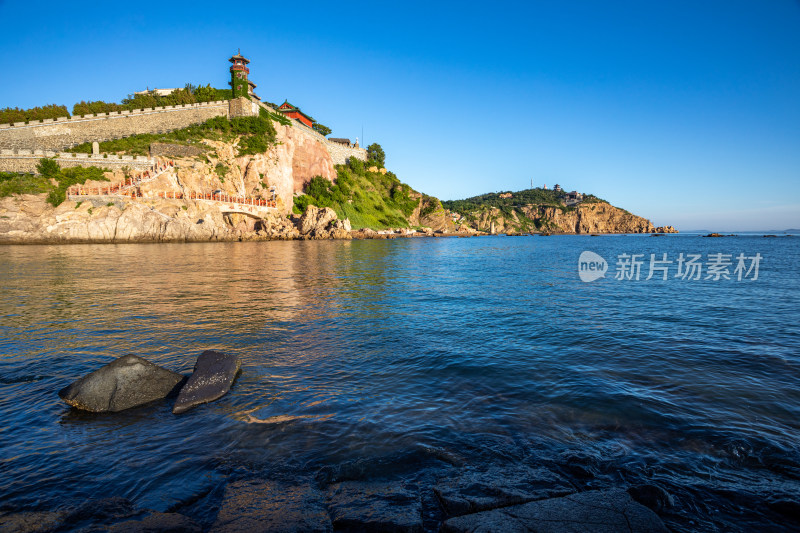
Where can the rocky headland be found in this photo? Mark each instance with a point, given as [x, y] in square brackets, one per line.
[303, 194]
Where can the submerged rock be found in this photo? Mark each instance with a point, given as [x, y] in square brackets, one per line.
[214, 373]
[31, 521]
[653, 496]
[473, 491]
[374, 506]
[158, 523]
[127, 382]
[612, 510]
[267, 506]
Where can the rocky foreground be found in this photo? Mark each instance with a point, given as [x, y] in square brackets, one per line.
[466, 501]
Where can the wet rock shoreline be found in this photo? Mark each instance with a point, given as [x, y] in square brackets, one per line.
[262, 504]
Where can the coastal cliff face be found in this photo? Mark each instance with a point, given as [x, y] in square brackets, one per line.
[597, 217]
[29, 219]
[288, 165]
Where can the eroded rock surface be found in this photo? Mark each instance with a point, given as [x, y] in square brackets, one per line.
[255, 506]
[127, 382]
[214, 373]
[158, 523]
[374, 506]
[473, 491]
[608, 511]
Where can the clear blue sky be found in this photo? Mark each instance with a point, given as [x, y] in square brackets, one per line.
[684, 112]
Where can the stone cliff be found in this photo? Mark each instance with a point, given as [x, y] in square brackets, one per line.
[596, 217]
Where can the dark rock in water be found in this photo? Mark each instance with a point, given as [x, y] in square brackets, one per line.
[373, 506]
[474, 491]
[266, 506]
[214, 373]
[127, 382]
[102, 510]
[652, 496]
[158, 523]
[609, 511]
[787, 507]
[31, 521]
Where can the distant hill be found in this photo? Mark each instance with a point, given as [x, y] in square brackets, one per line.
[526, 197]
[545, 211]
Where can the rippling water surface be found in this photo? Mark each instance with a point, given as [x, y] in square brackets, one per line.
[405, 357]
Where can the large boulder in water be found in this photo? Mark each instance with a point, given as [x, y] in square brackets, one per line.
[214, 373]
[127, 382]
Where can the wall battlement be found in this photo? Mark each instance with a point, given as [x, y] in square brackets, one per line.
[111, 114]
[26, 160]
[63, 133]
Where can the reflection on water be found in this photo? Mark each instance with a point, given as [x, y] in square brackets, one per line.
[410, 355]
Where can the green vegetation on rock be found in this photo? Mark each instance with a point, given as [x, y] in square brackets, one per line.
[48, 170]
[368, 199]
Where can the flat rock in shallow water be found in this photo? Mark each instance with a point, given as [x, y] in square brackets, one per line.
[607, 511]
[214, 373]
[158, 523]
[266, 506]
[127, 382]
[374, 506]
[472, 491]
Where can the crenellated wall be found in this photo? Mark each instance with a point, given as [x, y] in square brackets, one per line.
[26, 160]
[23, 144]
[341, 153]
[57, 134]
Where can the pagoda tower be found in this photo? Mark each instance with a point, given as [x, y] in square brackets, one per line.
[239, 71]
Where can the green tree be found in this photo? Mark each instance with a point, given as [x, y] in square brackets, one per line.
[375, 154]
[322, 129]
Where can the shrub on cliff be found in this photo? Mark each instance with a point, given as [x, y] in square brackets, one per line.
[368, 199]
[13, 183]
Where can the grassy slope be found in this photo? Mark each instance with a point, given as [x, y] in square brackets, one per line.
[368, 199]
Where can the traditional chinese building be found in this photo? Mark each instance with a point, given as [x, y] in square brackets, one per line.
[294, 112]
[557, 187]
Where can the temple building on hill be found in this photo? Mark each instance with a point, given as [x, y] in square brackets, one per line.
[294, 112]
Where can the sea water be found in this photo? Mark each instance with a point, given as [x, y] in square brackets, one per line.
[413, 357]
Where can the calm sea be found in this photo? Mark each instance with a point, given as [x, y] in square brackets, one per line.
[411, 356]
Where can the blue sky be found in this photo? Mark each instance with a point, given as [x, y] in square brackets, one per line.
[685, 112]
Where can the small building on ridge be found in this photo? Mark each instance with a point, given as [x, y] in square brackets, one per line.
[294, 112]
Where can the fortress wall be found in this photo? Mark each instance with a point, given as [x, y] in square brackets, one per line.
[57, 134]
[341, 153]
[26, 160]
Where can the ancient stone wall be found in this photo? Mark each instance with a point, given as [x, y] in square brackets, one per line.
[341, 153]
[242, 107]
[26, 160]
[57, 134]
